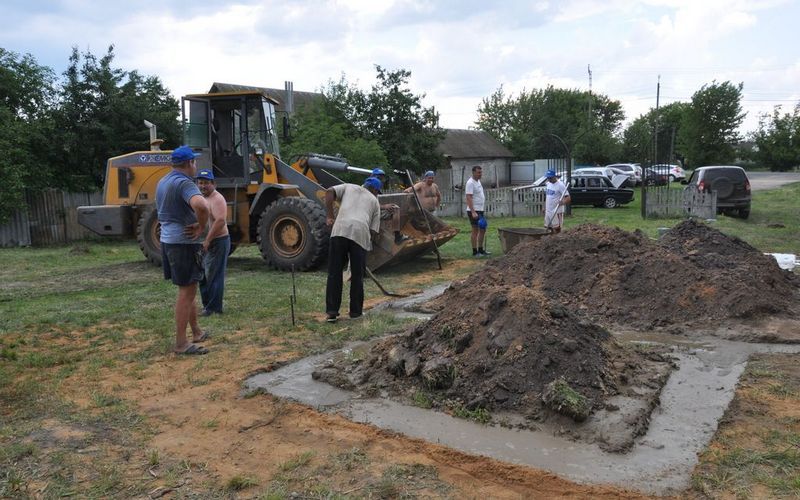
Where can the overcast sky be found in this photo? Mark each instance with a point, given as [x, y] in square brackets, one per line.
[459, 51]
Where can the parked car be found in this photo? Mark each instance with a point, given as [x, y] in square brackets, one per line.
[674, 172]
[633, 170]
[598, 191]
[730, 183]
[609, 172]
[653, 177]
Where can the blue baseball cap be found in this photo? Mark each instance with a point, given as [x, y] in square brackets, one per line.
[550, 173]
[378, 171]
[182, 154]
[429, 173]
[205, 174]
[374, 183]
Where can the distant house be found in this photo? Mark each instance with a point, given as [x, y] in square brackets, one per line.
[463, 149]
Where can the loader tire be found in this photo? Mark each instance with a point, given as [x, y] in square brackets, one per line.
[292, 232]
[148, 233]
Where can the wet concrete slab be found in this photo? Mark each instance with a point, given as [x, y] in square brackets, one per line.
[692, 402]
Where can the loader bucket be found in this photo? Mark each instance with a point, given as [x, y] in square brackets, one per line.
[410, 222]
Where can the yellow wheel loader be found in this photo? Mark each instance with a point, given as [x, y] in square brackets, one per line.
[276, 205]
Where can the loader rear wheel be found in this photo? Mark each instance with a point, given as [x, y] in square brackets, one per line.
[148, 233]
[292, 232]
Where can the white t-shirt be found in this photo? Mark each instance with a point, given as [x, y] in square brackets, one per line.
[359, 212]
[475, 188]
[554, 190]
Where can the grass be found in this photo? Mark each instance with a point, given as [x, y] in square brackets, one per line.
[755, 454]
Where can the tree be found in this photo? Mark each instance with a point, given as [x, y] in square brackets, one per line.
[778, 140]
[26, 94]
[101, 113]
[317, 130]
[527, 123]
[386, 126]
[637, 140]
[392, 115]
[710, 125]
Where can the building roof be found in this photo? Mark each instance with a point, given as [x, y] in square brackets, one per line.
[300, 98]
[460, 143]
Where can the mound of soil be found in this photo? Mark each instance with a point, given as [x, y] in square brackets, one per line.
[501, 349]
[521, 334]
[695, 276]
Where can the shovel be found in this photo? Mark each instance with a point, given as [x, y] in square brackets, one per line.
[385, 292]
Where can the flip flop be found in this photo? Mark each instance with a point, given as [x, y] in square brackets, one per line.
[193, 350]
[205, 336]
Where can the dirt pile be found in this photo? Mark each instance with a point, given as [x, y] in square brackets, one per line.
[509, 348]
[695, 275]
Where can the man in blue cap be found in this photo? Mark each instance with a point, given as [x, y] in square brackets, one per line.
[557, 196]
[428, 192]
[216, 245]
[352, 229]
[183, 213]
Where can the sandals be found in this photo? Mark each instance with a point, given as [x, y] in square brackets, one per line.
[193, 350]
[205, 336]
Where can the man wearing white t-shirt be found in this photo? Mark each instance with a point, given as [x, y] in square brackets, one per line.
[475, 204]
[557, 198]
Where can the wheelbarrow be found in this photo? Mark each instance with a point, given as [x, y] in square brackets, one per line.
[513, 236]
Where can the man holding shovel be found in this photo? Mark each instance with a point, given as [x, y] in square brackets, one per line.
[557, 198]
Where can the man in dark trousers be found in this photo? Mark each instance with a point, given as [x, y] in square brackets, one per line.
[183, 214]
[351, 238]
[216, 245]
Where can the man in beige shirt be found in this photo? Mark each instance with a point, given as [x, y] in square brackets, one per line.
[216, 245]
[359, 217]
[428, 192]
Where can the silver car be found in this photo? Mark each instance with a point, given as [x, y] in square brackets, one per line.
[633, 170]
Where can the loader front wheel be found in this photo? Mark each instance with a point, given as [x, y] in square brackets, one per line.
[148, 233]
[292, 232]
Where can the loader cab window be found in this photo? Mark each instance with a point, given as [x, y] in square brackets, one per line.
[195, 123]
[261, 134]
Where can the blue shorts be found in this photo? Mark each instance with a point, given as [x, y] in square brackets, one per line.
[182, 263]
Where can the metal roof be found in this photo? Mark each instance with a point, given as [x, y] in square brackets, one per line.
[460, 143]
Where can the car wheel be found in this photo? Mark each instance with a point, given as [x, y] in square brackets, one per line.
[610, 202]
[671, 178]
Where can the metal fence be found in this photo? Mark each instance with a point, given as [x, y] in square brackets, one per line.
[49, 217]
[500, 202]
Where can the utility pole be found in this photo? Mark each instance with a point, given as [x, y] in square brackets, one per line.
[655, 127]
[589, 69]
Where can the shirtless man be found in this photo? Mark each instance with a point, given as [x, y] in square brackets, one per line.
[428, 192]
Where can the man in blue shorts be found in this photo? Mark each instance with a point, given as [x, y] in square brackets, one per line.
[183, 214]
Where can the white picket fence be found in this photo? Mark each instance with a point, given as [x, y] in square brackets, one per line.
[675, 203]
[500, 202]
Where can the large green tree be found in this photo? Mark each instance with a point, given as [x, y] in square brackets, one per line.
[778, 140]
[318, 127]
[534, 123]
[101, 113]
[387, 126]
[26, 96]
[664, 123]
[709, 130]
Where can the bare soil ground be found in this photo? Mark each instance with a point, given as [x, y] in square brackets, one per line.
[196, 436]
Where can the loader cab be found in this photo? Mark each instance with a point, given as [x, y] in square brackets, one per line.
[233, 131]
